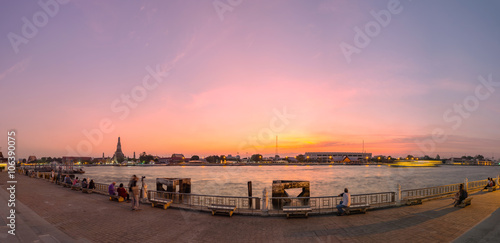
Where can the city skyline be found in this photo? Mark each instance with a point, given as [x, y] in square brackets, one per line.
[227, 77]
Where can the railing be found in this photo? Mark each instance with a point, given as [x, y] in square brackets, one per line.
[429, 191]
[438, 191]
[324, 205]
[477, 185]
[244, 205]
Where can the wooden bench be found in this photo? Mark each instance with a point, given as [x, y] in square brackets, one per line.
[165, 203]
[465, 202]
[221, 208]
[492, 188]
[296, 210]
[361, 208]
[66, 184]
[116, 198]
[413, 201]
[76, 188]
[87, 190]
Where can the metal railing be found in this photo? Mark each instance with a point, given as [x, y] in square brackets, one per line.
[244, 205]
[429, 192]
[325, 205]
[439, 191]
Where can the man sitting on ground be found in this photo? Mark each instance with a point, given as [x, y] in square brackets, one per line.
[346, 202]
[67, 180]
[111, 189]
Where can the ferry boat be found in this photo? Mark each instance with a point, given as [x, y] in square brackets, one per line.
[415, 163]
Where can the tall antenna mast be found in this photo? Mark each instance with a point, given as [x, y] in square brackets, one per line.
[276, 146]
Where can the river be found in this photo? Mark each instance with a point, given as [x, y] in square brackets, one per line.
[325, 180]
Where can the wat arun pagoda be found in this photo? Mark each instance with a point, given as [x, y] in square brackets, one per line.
[118, 157]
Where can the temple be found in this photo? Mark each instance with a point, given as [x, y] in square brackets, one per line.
[118, 157]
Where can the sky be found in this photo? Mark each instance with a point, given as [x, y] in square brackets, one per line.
[229, 76]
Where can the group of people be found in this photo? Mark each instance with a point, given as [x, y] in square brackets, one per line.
[133, 189]
[76, 182]
[491, 183]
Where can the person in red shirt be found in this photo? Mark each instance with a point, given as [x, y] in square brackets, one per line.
[122, 192]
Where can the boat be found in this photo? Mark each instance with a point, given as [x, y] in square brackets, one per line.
[416, 163]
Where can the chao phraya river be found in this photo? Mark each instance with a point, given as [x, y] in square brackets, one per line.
[325, 180]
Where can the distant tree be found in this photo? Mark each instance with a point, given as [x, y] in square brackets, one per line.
[195, 157]
[438, 157]
[301, 158]
[479, 157]
[256, 157]
[426, 157]
[410, 156]
[145, 158]
[212, 159]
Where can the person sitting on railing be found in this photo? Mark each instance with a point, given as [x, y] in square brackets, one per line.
[460, 195]
[346, 202]
[111, 189]
[487, 184]
[84, 183]
[91, 185]
[67, 180]
[122, 192]
[76, 182]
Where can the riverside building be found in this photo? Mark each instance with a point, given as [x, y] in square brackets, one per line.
[337, 156]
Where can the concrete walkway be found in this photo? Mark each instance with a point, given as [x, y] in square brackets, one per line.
[69, 216]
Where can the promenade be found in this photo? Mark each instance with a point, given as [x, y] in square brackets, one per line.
[50, 213]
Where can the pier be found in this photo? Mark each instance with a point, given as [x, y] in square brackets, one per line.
[46, 210]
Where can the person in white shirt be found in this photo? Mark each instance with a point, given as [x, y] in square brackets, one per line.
[346, 202]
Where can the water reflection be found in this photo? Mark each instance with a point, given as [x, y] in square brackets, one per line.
[325, 180]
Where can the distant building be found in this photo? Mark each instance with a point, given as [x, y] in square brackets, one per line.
[67, 160]
[118, 157]
[337, 156]
[31, 158]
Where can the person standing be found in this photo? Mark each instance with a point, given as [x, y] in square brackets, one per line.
[346, 202]
[134, 190]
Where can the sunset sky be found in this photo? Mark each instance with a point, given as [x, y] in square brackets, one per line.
[226, 77]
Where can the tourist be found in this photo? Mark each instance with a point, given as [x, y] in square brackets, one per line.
[346, 202]
[67, 180]
[122, 192]
[488, 183]
[460, 195]
[52, 176]
[111, 189]
[91, 185]
[76, 182]
[134, 190]
[84, 183]
[58, 178]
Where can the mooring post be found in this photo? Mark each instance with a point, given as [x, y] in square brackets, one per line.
[249, 194]
[398, 196]
[466, 184]
[265, 201]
